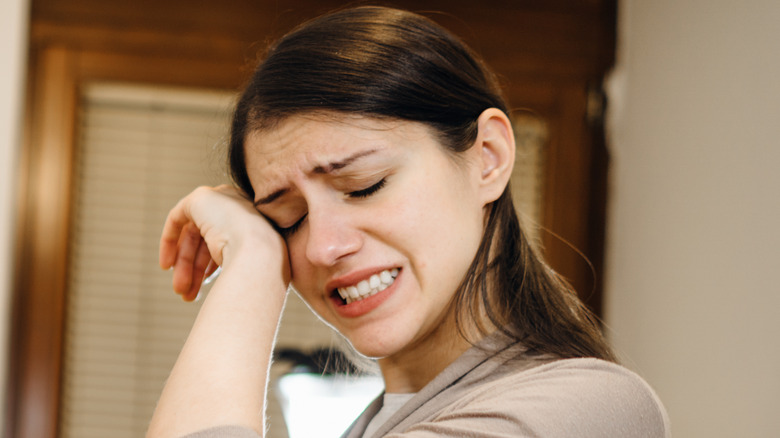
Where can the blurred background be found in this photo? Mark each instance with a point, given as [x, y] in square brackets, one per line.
[647, 136]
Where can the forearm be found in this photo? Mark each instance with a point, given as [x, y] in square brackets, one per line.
[220, 375]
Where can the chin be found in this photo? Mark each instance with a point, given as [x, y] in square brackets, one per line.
[374, 347]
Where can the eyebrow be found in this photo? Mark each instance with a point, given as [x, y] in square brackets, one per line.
[318, 170]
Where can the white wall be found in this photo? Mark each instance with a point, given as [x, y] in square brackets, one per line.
[13, 53]
[693, 235]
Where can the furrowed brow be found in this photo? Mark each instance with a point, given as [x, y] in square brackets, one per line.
[318, 170]
[338, 165]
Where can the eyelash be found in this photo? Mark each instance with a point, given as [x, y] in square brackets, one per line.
[291, 229]
[365, 193]
[357, 194]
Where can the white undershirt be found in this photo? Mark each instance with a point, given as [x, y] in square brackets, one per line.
[391, 403]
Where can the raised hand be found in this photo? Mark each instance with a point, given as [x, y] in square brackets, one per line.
[227, 354]
[206, 229]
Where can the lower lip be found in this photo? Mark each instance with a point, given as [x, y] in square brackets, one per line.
[364, 306]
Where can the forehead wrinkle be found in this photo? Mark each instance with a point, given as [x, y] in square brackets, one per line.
[271, 146]
[329, 168]
[338, 165]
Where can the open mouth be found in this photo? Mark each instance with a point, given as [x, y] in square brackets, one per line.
[366, 288]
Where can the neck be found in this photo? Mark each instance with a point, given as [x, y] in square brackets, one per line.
[411, 369]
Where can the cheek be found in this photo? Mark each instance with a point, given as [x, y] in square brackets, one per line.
[440, 226]
[447, 211]
[303, 274]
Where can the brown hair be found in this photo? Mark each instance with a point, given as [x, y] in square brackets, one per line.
[387, 63]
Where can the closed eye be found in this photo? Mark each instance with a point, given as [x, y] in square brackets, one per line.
[357, 194]
[288, 231]
[364, 193]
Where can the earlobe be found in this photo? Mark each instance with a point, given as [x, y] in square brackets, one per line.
[496, 143]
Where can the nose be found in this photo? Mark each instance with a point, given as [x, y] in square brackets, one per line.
[330, 238]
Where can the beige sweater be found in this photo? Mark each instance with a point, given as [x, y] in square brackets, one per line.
[496, 390]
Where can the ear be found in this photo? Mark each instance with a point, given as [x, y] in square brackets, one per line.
[496, 143]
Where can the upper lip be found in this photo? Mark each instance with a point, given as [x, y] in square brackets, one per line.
[354, 277]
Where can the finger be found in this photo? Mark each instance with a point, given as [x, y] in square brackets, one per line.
[189, 243]
[202, 261]
[169, 240]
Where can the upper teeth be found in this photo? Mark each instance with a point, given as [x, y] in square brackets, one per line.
[364, 289]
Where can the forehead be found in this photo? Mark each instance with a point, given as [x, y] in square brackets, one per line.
[305, 144]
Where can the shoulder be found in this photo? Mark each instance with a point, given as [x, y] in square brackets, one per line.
[571, 397]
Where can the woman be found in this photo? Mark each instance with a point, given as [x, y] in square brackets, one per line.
[377, 151]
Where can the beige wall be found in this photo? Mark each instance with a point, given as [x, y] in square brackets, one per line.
[13, 46]
[693, 241]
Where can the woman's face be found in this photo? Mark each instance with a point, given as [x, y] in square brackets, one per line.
[381, 223]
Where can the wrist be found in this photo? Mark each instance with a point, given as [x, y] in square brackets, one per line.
[263, 247]
[258, 262]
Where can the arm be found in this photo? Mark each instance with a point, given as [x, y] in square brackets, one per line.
[220, 375]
